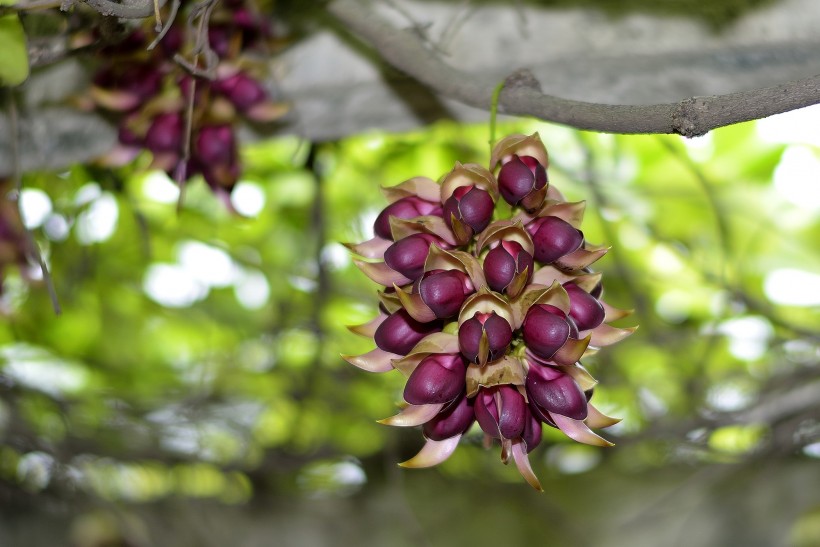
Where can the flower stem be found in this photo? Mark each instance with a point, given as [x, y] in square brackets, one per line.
[494, 110]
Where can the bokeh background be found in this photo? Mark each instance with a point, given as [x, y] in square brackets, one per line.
[192, 393]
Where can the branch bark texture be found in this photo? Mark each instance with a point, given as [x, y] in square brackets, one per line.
[522, 94]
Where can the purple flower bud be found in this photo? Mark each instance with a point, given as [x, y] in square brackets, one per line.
[501, 411]
[545, 330]
[553, 238]
[496, 329]
[407, 255]
[471, 206]
[522, 178]
[400, 332]
[585, 309]
[242, 90]
[405, 208]
[220, 40]
[165, 133]
[556, 392]
[455, 419]
[532, 431]
[504, 262]
[444, 291]
[215, 144]
[439, 378]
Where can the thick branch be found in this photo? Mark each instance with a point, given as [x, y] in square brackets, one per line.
[522, 94]
[137, 10]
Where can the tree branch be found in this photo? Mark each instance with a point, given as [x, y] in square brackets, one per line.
[522, 93]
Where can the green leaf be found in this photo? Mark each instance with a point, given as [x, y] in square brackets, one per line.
[14, 67]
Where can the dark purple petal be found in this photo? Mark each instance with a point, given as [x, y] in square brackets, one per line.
[532, 431]
[513, 412]
[400, 332]
[407, 255]
[452, 421]
[439, 378]
[545, 330]
[504, 262]
[165, 133]
[558, 395]
[499, 268]
[515, 180]
[499, 335]
[242, 90]
[471, 205]
[405, 208]
[444, 291]
[585, 309]
[486, 412]
[553, 238]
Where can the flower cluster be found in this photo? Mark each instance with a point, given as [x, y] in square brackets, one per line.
[149, 94]
[488, 319]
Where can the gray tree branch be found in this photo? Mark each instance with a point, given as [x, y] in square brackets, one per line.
[522, 93]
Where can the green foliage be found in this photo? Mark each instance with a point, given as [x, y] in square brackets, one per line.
[14, 60]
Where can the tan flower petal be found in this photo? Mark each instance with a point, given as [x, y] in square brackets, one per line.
[547, 275]
[580, 258]
[381, 273]
[554, 295]
[606, 335]
[401, 228]
[507, 370]
[578, 431]
[415, 306]
[522, 462]
[437, 342]
[390, 301]
[423, 187]
[368, 330]
[504, 230]
[613, 314]
[439, 259]
[572, 351]
[433, 453]
[372, 248]
[581, 376]
[597, 419]
[376, 360]
[413, 415]
[465, 175]
[486, 301]
[521, 145]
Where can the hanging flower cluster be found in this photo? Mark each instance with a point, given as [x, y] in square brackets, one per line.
[147, 92]
[488, 319]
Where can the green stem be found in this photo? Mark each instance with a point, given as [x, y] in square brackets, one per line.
[494, 110]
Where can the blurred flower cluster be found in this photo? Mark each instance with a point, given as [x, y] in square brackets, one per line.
[487, 307]
[150, 93]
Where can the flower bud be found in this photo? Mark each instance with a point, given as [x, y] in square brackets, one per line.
[454, 420]
[556, 392]
[532, 431]
[405, 208]
[216, 155]
[400, 332]
[553, 238]
[501, 411]
[504, 263]
[165, 133]
[545, 330]
[242, 90]
[438, 378]
[585, 309]
[407, 255]
[523, 181]
[484, 337]
[444, 291]
[471, 206]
